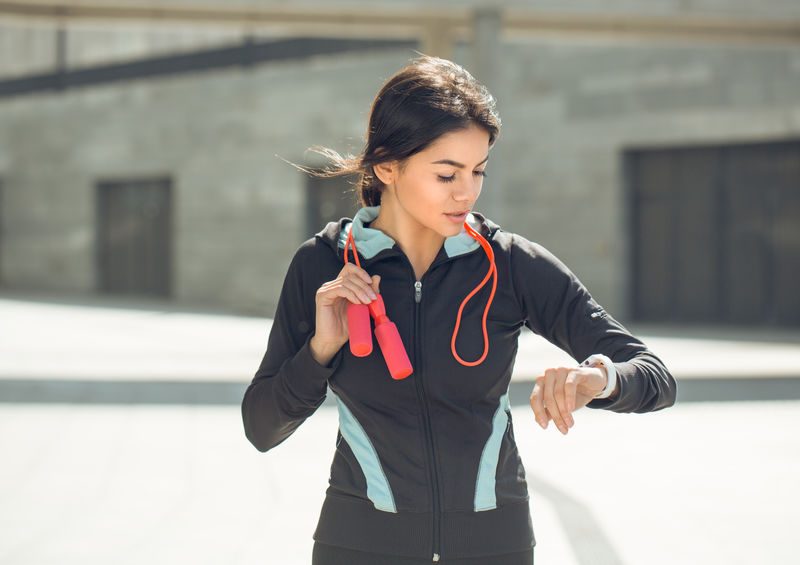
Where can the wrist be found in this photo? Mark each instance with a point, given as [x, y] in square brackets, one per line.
[321, 352]
[604, 363]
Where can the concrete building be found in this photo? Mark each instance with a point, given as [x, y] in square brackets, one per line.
[654, 146]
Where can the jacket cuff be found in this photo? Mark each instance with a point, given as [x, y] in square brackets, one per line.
[625, 372]
[306, 378]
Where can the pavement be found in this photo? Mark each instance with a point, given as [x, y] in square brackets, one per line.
[122, 442]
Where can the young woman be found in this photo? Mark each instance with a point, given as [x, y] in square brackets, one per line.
[426, 468]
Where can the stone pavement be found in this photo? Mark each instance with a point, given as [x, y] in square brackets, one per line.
[96, 349]
[108, 456]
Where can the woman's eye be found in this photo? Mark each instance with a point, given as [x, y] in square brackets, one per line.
[453, 177]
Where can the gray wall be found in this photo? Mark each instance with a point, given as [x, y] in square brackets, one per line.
[238, 208]
[568, 109]
[572, 109]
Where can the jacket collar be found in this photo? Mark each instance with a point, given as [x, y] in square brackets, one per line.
[373, 242]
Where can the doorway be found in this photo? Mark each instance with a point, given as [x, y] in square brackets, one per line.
[716, 233]
[134, 237]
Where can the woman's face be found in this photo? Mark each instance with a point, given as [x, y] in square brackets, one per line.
[444, 179]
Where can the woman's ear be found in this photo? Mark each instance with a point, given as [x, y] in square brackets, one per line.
[385, 172]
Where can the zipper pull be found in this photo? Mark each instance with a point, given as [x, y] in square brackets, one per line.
[436, 557]
[417, 298]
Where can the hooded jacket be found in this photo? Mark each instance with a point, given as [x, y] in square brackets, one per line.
[427, 466]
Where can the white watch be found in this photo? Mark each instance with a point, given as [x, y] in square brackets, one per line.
[605, 361]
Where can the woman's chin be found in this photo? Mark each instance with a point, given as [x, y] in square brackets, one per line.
[453, 230]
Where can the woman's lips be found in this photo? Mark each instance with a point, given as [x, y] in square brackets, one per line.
[457, 218]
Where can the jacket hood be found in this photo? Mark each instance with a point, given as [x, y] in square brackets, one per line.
[372, 242]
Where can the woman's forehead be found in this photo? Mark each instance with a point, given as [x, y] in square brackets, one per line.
[457, 148]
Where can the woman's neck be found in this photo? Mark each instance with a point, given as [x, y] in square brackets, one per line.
[421, 245]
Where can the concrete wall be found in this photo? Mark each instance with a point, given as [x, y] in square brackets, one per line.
[31, 45]
[568, 109]
[573, 108]
[239, 209]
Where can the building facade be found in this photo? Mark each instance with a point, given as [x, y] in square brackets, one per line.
[663, 169]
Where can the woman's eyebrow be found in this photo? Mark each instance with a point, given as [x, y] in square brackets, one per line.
[456, 163]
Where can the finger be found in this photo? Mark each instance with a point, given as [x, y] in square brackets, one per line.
[362, 286]
[549, 415]
[376, 282]
[361, 273]
[329, 295]
[361, 290]
[550, 399]
[561, 396]
[570, 391]
[537, 402]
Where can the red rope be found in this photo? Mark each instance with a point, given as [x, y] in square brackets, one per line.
[352, 242]
[491, 272]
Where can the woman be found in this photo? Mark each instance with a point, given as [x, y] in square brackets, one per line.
[426, 468]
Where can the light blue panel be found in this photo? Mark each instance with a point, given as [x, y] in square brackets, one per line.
[378, 489]
[368, 241]
[485, 497]
[463, 242]
[371, 241]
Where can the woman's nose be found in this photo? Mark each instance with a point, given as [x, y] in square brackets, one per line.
[467, 191]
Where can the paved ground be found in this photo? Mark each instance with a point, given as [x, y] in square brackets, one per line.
[107, 457]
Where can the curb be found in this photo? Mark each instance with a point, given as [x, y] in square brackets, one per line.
[93, 391]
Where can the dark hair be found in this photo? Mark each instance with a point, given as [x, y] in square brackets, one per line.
[424, 100]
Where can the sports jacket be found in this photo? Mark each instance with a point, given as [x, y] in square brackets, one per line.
[427, 466]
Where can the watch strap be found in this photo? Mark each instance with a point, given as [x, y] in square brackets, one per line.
[599, 359]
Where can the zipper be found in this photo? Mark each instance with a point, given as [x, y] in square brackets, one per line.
[420, 387]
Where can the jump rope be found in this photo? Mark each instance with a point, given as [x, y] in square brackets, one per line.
[358, 319]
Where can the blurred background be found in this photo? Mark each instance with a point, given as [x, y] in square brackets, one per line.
[148, 215]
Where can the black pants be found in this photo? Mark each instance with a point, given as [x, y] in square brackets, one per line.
[331, 555]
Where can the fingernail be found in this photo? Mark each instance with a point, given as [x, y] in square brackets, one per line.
[373, 295]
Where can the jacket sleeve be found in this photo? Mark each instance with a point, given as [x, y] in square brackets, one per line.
[289, 384]
[558, 307]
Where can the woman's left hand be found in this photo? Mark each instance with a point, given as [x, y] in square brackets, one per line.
[562, 390]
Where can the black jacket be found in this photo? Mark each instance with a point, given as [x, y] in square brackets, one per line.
[427, 466]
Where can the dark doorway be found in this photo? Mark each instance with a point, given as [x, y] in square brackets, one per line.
[134, 237]
[716, 233]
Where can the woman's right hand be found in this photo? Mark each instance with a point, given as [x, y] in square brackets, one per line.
[352, 285]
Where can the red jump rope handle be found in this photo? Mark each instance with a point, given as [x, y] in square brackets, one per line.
[389, 341]
[359, 327]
